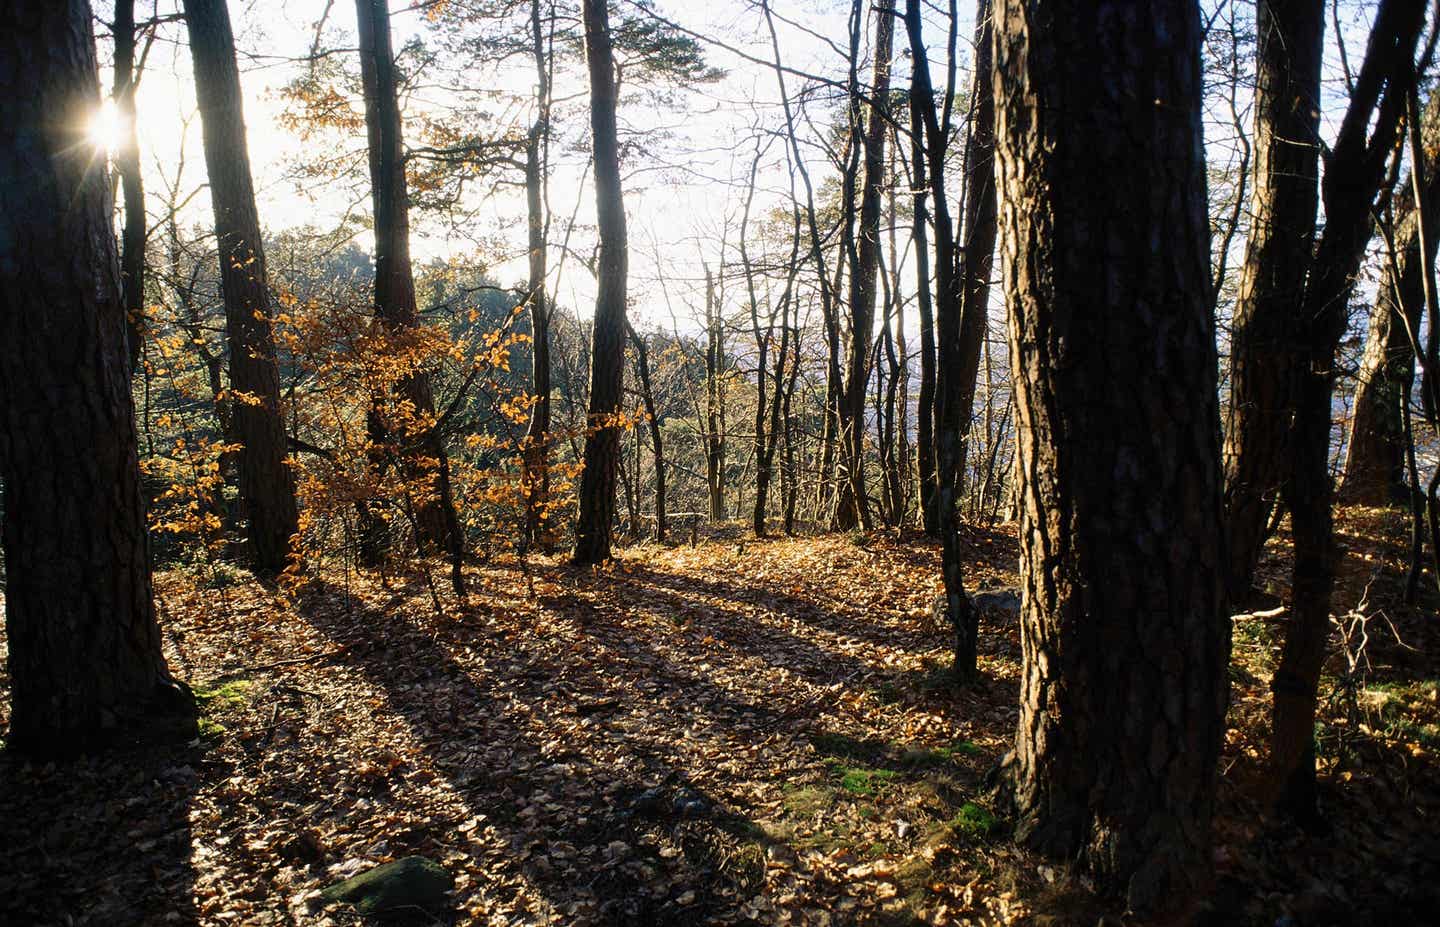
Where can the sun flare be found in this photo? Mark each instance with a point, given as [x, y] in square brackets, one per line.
[106, 127]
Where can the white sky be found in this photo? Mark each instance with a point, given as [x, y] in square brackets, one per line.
[674, 215]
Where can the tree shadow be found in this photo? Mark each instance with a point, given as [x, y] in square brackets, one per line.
[842, 623]
[562, 755]
[99, 840]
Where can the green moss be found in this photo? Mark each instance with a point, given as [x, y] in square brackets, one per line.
[224, 695]
[863, 782]
[973, 821]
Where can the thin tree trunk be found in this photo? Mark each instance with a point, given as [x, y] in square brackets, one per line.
[1375, 449]
[597, 481]
[657, 446]
[978, 253]
[853, 508]
[267, 487]
[535, 459]
[401, 436]
[1354, 172]
[921, 96]
[84, 654]
[1263, 351]
[127, 163]
[714, 429]
[1107, 275]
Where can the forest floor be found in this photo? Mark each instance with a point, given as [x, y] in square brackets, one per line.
[739, 732]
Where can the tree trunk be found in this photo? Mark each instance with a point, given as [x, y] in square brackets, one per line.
[1107, 275]
[127, 163]
[921, 97]
[1272, 280]
[714, 431]
[535, 460]
[1354, 172]
[267, 487]
[978, 260]
[963, 320]
[854, 507]
[597, 481]
[652, 416]
[395, 308]
[1375, 451]
[85, 660]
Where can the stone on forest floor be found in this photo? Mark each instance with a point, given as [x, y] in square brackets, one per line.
[1005, 602]
[406, 884]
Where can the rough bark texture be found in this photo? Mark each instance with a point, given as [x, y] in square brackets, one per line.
[127, 164]
[84, 649]
[1106, 268]
[1272, 280]
[267, 487]
[602, 447]
[1354, 173]
[437, 524]
[1375, 452]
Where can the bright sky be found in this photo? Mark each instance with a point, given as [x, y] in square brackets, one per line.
[681, 189]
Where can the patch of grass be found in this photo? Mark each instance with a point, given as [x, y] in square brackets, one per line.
[225, 695]
[973, 821]
[865, 783]
[212, 730]
[808, 801]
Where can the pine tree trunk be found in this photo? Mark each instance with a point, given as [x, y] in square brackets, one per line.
[395, 306]
[85, 659]
[602, 441]
[267, 487]
[1107, 275]
[1272, 280]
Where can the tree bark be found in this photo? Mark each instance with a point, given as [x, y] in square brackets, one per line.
[267, 486]
[85, 660]
[853, 506]
[127, 163]
[1263, 351]
[652, 417]
[921, 97]
[978, 252]
[714, 430]
[1375, 452]
[597, 481]
[535, 460]
[1107, 274]
[437, 522]
[1354, 172]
